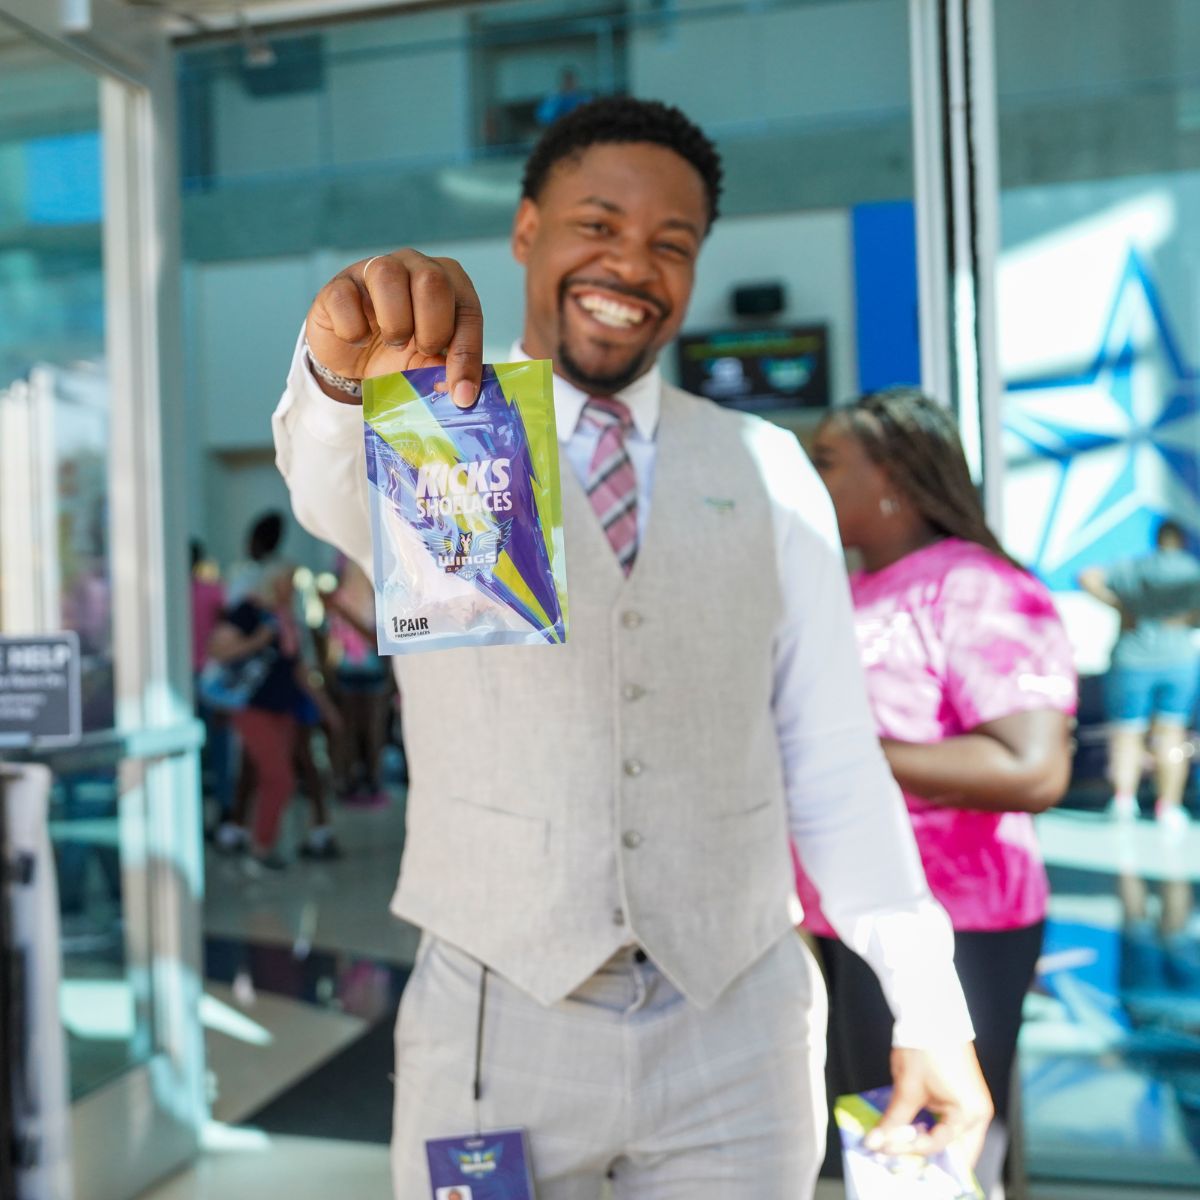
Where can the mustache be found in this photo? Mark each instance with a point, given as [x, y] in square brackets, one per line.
[621, 289]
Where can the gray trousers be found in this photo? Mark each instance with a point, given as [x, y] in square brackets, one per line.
[623, 1080]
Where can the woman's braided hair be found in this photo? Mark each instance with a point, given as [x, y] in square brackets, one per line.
[916, 441]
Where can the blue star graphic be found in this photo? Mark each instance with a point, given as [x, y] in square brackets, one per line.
[1097, 457]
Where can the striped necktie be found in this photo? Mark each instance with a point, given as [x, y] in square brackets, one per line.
[611, 482]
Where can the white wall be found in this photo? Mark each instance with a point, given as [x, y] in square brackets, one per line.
[409, 98]
[807, 62]
[1048, 46]
[413, 104]
[244, 318]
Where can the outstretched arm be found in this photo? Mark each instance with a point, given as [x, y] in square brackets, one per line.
[850, 825]
[388, 313]
[1095, 583]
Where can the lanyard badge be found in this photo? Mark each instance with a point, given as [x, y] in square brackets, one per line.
[479, 1165]
[484, 1166]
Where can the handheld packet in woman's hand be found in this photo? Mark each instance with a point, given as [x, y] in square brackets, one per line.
[874, 1176]
[466, 511]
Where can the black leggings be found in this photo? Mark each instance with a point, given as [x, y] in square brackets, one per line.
[996, 970]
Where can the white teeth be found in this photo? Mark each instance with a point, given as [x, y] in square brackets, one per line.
[612, 312]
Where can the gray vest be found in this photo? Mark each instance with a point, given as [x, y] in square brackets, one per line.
[626, 786]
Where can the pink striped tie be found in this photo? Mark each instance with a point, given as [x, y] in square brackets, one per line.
[611, 482]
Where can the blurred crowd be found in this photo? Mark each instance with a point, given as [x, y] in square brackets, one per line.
[295, 700]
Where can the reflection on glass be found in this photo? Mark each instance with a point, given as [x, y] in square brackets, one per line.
[1100, 350]
[54, 560]
[54, 520]
[104, 1008]
[809, 104]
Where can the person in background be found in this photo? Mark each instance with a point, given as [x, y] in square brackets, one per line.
[262, 553]
[315, 712]
[207, 604]
[1155, 671]
[251, 630]
[972, 685]
[568, 97]
[363, 684]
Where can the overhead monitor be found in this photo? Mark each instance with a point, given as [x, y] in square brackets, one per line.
[758, 369]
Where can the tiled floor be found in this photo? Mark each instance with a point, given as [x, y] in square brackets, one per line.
[310, 960]
[340, 905]
[258, 1045]
[243, 1165]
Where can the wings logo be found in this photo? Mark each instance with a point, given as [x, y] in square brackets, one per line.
[476, 1163]
[470, 554]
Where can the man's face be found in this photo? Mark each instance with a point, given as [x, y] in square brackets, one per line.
[609, 250]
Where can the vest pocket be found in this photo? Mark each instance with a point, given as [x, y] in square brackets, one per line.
[760, 824]
[505, 831]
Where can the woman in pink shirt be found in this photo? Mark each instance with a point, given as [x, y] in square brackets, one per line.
[972, 685]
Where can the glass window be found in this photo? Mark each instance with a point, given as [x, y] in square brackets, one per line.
[54, 530]
[1099, 315]
[808, 102]
[105, 1004]
[54, 404]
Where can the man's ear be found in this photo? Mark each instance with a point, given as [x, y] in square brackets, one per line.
[525, 227]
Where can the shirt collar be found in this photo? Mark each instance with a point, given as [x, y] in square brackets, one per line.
[642, 397]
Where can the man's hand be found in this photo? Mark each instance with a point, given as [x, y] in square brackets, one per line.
[398, 311]
[950, 1085]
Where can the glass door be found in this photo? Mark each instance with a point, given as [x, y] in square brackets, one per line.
[87, 262]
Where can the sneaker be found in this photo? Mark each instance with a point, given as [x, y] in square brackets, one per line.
[326, 850]
[231, 838]
[1123, 808]
[320, 844]
[1172, 819]
[271, 861]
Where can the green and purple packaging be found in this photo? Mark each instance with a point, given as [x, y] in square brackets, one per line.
[466, 511]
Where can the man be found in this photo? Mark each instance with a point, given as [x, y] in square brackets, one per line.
[621, 925]
[568, 97]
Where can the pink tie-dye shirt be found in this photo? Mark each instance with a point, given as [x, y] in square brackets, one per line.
[951, 637]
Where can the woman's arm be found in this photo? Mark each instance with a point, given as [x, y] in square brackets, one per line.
[1020, 763]
[1095, 583]
[335, 603]
[228, 643]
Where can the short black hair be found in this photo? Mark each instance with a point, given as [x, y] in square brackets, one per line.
[1171, 530]
[265, 535]
[617, 119]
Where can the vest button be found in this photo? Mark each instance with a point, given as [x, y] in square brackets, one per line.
[633, 691]
[632, 839]
[633, 768]
[618, 916]
[631, 619]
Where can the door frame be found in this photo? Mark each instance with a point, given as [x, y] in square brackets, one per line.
[149, 1121]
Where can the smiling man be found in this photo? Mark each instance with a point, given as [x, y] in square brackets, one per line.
[615, 969]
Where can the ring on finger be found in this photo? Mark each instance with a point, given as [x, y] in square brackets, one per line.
[367, 266]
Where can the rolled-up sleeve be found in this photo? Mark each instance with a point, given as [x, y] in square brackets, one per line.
[847, 816]
[320, 453]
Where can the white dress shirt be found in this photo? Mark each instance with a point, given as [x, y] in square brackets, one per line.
[846, 813]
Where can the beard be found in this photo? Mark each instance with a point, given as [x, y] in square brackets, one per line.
[617, 377]
[613, 380]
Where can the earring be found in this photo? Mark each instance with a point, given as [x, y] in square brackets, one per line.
[888, 506]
